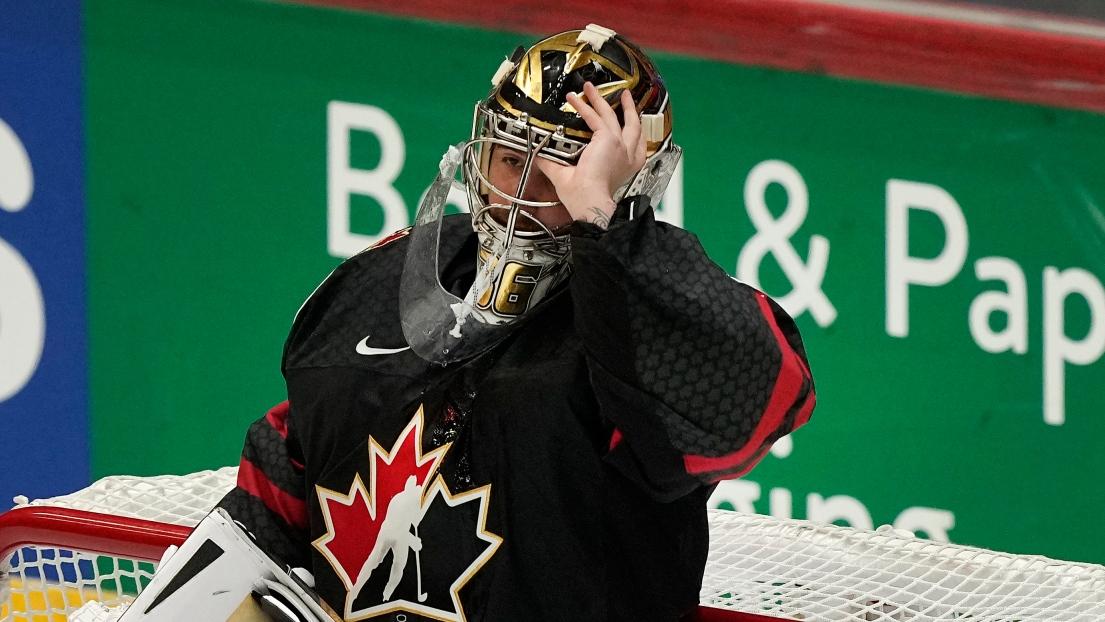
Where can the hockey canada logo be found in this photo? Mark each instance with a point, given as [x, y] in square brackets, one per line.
[394, 543]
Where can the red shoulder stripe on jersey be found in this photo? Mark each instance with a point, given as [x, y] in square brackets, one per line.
[252, 480]
[278, 418]
[401, 233]
[788, 384]
[615, 439]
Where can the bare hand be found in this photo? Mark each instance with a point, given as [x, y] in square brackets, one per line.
[614, 155]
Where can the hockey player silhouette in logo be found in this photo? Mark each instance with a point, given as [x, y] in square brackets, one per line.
[395, 536]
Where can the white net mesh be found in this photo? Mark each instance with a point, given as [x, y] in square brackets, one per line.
[172, 499]
[794, 570]
[44, 584]
[801, 571]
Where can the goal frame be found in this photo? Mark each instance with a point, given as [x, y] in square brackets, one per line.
[145, 540]
[104, 542]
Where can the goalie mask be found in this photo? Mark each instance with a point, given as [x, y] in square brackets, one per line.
[523, 236]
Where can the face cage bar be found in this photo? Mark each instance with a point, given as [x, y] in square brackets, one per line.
[517, 132]
[476, 181]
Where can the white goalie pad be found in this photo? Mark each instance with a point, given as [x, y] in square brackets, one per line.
[220, 574]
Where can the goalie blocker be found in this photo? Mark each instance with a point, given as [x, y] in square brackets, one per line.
[219, 573]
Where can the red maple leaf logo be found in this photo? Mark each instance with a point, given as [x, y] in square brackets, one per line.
[353, 519]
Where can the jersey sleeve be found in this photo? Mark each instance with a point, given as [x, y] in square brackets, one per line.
[697, 373]
[269, 496]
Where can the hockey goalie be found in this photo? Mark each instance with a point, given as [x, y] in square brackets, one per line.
[517, 413]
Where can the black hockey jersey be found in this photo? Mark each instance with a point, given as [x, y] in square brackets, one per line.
[562, 475]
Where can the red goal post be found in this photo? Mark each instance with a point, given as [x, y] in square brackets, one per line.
[101, 544]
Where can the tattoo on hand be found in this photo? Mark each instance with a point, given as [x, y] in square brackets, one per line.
[600, 218]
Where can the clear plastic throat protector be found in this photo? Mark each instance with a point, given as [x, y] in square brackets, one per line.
[440, 326]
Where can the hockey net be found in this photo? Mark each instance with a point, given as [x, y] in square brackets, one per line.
[102, 544]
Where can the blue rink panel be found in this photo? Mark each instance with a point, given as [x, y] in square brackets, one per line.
[44, 425]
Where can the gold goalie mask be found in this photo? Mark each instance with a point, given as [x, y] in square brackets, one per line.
[521, 259]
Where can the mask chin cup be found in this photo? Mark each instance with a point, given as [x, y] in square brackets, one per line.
[440, 326]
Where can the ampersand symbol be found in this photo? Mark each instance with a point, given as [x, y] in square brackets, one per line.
[773, 236]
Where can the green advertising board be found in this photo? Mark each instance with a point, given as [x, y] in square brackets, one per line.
[943, 254]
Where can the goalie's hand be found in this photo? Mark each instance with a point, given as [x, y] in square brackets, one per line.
[614, 155]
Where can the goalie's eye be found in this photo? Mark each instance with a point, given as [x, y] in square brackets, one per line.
[511, 160]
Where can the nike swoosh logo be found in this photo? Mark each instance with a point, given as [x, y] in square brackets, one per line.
[367, 350]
